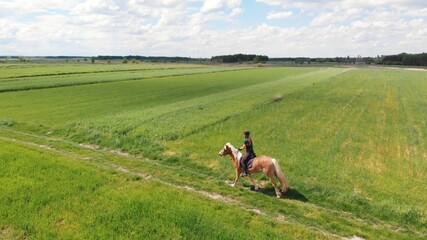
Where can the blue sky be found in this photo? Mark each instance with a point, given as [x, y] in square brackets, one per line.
[198, 28]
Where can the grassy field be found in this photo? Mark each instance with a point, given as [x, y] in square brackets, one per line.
[49, 195]
[352, 143]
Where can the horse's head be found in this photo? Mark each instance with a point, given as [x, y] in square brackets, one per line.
[226, 150]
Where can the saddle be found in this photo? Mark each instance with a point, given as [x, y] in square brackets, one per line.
[249, 163]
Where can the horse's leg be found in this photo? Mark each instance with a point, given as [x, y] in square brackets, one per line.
[238, 171]
[253, 181]
[273, 181]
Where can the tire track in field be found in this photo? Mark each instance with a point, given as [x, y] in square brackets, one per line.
[211, 195]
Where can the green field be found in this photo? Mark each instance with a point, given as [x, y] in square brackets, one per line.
[131, 151]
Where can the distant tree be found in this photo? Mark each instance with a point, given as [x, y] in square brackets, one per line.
[368, 60]
[125, 60]
[378, 60]
[23, 60]
[92, 59]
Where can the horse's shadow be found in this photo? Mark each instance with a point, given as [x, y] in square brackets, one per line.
[292, 194]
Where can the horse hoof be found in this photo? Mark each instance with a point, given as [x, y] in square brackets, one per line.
[278, 195]
[233, 185]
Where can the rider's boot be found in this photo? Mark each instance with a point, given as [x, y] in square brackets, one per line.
[245, 171]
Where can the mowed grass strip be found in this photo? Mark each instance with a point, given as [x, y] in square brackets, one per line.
[57, 106]
[9, 71]
[68, 79]
[50, 195]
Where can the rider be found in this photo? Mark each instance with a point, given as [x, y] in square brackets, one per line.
[248, 145]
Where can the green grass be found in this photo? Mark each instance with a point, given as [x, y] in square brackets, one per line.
[50, 195]
[352, 143]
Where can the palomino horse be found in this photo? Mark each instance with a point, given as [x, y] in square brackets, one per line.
[263, 163]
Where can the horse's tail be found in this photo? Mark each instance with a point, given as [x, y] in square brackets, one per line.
[279, 174]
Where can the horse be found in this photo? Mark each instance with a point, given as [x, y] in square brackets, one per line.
[263, 163]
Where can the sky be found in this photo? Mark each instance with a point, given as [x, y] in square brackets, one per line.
[205, 28]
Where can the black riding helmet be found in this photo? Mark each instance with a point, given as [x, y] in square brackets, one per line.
[247, 132]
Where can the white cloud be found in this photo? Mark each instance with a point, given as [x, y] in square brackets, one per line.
[212, 5]
[348, 4]
[7, 29]
[279, 15]
[215, 5]
[233, 3]
[336, 16]
[236, 11]
[271, 2]
[184, 28]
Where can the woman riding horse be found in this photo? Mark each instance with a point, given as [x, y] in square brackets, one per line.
[263, 163]
[248, 145]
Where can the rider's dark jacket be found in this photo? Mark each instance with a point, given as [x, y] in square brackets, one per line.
[249, 149]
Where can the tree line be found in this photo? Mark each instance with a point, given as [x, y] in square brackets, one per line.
[419, 59]
[406, 59]
[236, 58]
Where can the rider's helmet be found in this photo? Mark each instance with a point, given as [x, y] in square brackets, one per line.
[246, 132]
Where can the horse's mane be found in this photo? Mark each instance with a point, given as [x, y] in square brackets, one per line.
[231, 146]
[237, 153]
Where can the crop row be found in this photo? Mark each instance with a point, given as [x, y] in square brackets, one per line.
[9, 71]
[72, 79]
